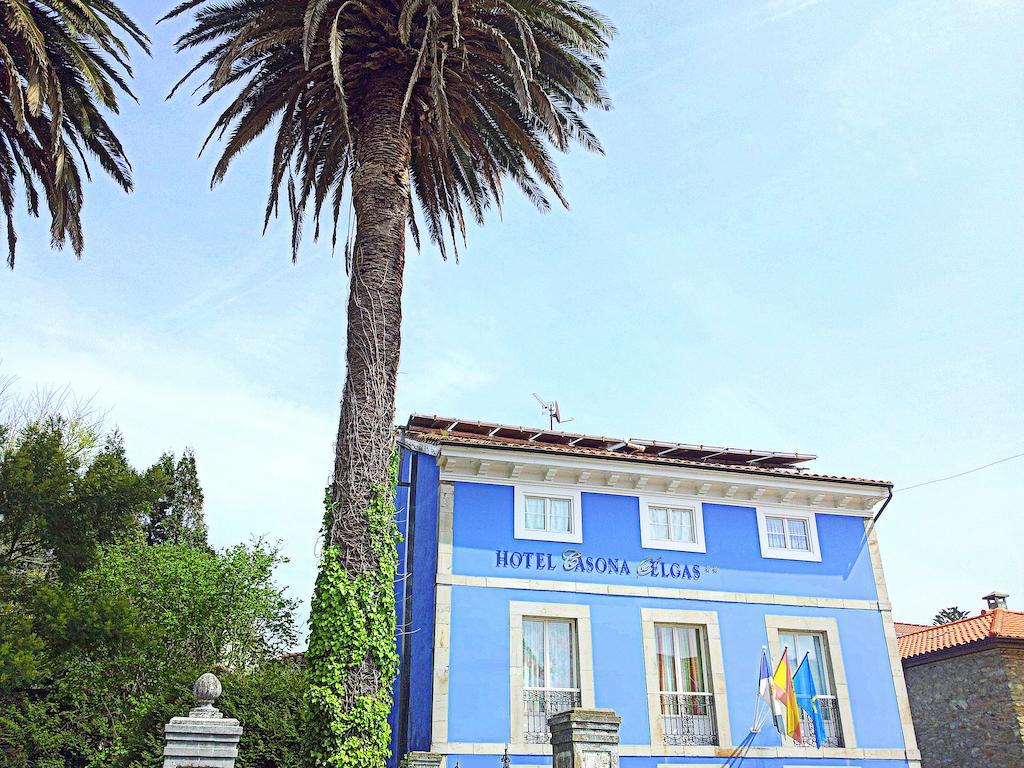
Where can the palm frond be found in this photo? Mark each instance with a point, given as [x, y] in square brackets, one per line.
[488, 87]
[64, 63]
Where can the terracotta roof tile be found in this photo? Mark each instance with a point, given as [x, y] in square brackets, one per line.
[905, 628]
[996, 623]
[593, 446]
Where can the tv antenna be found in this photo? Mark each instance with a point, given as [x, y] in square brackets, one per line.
[553, 411]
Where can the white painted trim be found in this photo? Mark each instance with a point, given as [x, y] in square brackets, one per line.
[442, 614]
[584, 647]
[575, 534]
[645, 750]
[829, 627]
[463, 463]
[892, 646]
[814, 555]
[688, 496]
[647, 541]
[442, 659]
[707, 621]
[637, 590]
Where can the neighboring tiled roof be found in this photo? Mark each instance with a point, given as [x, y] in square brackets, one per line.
[438, 429]
[904, 628]
[998, 623]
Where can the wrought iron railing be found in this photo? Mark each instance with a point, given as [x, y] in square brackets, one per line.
[833, 736]
[689, 718]
[541, 703]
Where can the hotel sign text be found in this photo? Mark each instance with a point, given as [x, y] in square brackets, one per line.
[576, 561]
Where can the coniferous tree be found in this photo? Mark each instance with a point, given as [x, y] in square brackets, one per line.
[177, 515]
[949, 615]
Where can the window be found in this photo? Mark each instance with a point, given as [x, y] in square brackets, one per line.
[685, 680]
[544, 513]
[817, 637]
[788, 534]
[550, 674]
[686, 703]
[814, 645]
[551, 666]
[668, 525]
[548, 514]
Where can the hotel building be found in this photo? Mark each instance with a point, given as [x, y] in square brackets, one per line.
[544, 570]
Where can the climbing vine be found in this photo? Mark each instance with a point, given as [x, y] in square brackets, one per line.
[352, 622]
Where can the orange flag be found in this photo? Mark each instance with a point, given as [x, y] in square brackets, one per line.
[782, 688]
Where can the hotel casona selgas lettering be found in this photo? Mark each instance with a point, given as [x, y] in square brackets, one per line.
[575, 561]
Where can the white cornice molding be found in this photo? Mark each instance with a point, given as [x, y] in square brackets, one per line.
[475, 464]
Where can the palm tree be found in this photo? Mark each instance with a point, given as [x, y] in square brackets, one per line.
[62, 63]
[441, 100]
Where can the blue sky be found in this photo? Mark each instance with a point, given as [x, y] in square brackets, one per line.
[806, 235]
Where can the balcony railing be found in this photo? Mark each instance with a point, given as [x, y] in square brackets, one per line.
[833, 736]
[541, 703]
[689, 718]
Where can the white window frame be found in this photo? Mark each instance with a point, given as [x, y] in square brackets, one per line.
[829, 629]
[707, 621]
[575, 533]
[808, 516]
[647, 541]
[518, 611]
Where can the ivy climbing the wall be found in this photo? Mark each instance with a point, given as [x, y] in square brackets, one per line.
[352, 634]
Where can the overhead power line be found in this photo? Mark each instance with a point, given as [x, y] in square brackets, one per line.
[960, 474]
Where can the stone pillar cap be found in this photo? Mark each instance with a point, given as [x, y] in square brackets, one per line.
[603, 715]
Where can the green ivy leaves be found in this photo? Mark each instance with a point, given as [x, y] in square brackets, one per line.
[352, 632]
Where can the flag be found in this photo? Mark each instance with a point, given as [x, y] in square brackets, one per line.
[765, 688]
[788, 711]
[807, 697]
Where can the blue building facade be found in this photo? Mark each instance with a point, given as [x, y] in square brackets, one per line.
[545, 570]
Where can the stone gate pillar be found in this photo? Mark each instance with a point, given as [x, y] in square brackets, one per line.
[204, 739]
[585, 738]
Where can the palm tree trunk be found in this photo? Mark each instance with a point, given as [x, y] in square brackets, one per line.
[380, 191]
[352, 621]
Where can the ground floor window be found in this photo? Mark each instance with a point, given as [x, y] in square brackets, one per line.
[551, 666]
[686, 702]
[817, 638]
[685, 677]
[814, 645]
[550, 673]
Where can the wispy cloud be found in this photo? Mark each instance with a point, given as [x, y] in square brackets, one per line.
[781, 9]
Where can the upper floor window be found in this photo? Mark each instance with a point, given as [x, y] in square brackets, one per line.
[788, 534]
[671, 525]
[548, 514]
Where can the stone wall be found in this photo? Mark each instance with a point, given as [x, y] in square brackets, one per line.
[968, 710]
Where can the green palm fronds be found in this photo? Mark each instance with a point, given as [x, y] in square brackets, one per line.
[490, 87]
[62, 65]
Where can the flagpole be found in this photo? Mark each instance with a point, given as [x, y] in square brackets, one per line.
[759, 716]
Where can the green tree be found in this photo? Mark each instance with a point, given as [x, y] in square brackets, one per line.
[948, 615]
[124, 640]
[441, 101]
[64, 491]
[63, 65]
[177, 516]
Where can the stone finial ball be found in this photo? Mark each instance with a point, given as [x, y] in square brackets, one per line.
[207, 689]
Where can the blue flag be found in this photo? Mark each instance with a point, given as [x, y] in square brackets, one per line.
[807, 698]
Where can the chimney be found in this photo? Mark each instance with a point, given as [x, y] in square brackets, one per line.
[995, 600]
